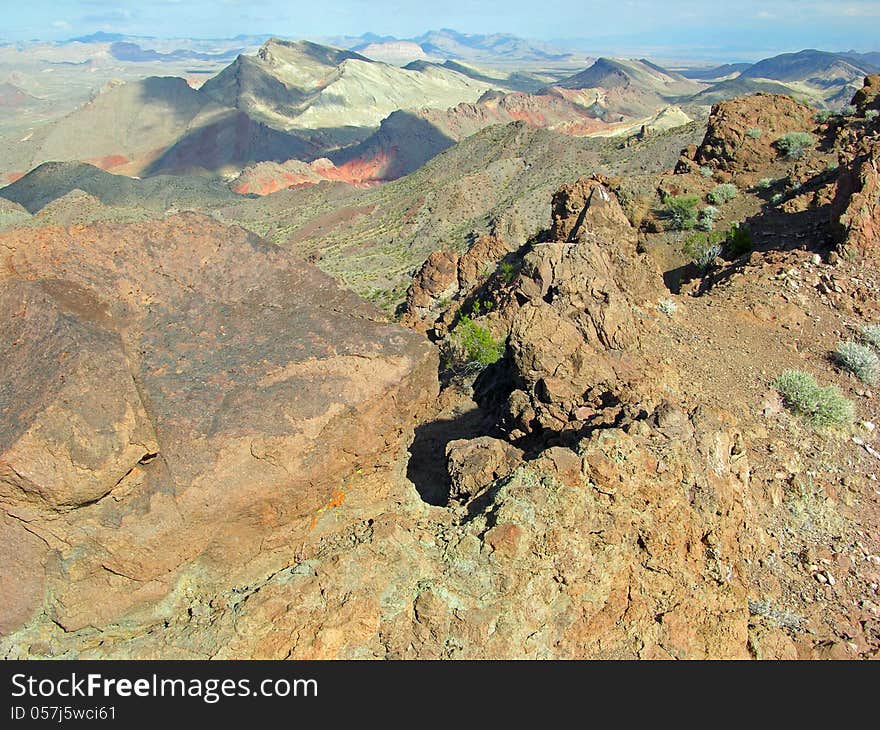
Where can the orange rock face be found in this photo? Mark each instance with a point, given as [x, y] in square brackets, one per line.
[741, 132]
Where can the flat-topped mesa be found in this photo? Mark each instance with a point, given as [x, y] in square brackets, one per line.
[181, 398]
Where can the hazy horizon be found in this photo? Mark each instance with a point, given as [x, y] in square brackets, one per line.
[673, 29]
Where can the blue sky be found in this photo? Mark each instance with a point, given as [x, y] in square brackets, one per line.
[679, 26]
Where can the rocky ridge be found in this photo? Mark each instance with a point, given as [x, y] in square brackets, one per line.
[620, 481]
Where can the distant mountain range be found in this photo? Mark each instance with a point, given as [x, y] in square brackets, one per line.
[437, 45]
[321, 112]
[493, 48]
[134, 53]
[829, 79]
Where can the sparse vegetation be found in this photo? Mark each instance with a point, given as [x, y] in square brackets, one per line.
[821, 406]
[667, 307]
[793, 144]
[707, 218]
[858, 359]
[471, 343]
[779, 617]
[739, 240]
[765, 183]
[680, 211]
[872, 114]
[777, 198]
[823, 116]
[706, 171]
[508, 271]
[848, 111]
[703, 250]
[871, 334]
[753, 133]
[723, 193]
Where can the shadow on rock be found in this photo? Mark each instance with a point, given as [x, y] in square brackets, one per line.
[427, 464]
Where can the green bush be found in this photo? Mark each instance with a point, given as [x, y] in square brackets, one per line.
[706, 171]
[848, 111]
[858, 359]
[739, 240]
[765, 183]
[680, 211]
[475, 344]
[777, 198]
[508, 271]
[823, 116]
[822, 407]
[720, 194]
[702, 249]
[872, 113]
[754, 133]
[793, 144]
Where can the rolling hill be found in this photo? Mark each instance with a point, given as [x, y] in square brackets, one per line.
[301, 85]
[159, 124]
[739, 86]
[53, 180]
[819, 68]
[829, 79]
[714, 73]
[618, 88]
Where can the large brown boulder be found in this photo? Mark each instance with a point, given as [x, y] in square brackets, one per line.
[741, 132]
[574, 335]
[180, 401]
[475, 463]
[868, 97]
[438, 278]
[587, 209]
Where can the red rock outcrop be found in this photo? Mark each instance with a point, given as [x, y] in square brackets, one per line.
[446, 275]
[741, 133]
[576, 329]
[633, 549]
[856, 192]
[859, 204]
[179, 402]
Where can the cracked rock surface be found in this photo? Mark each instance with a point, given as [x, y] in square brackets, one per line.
[179, 398]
